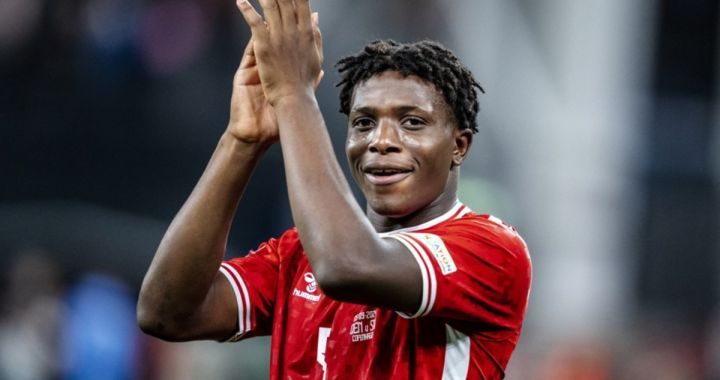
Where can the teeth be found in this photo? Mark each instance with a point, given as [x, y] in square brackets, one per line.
[385, 171]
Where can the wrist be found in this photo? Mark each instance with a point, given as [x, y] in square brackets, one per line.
[246, 149]
[301, 97]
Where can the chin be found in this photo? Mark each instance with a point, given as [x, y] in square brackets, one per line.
[391, 208]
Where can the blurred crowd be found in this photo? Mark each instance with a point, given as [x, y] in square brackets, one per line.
[56, 327]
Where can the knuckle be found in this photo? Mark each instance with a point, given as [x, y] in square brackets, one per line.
[262, 54]
[304, 29]
[268, 4]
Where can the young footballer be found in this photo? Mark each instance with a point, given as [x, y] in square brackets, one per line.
[417, 286]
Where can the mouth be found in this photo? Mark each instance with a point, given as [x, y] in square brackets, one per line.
[384, 175]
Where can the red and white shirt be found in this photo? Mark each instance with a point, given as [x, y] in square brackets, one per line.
[476, 279]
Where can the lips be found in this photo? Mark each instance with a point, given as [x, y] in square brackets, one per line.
[382, 175]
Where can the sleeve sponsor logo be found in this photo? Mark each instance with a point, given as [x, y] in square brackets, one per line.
[439, 252]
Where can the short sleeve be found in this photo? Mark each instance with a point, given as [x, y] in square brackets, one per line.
[477, 271]
[254, 279]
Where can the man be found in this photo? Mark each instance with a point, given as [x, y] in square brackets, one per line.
[419, 287]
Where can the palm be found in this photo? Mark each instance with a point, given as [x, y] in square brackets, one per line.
[252, 118]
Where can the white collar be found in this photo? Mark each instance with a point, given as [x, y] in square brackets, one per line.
[456, 211]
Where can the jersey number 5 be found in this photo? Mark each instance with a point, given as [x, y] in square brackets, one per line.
[323, 335]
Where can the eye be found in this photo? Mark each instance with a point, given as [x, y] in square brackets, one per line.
[363, 123]
[413, 122]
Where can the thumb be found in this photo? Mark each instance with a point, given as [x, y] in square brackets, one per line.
[319, 79]
[317, 35]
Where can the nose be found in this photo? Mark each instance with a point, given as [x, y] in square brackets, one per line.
[384, 139]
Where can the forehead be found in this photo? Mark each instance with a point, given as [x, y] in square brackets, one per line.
[391, 89]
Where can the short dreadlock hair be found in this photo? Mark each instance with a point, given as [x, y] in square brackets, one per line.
[426, 59]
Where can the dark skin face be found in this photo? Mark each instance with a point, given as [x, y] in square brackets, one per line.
[404, 149]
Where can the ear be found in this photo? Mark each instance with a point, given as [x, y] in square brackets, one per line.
[463, 141]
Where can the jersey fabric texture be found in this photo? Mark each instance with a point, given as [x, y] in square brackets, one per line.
[476, 279]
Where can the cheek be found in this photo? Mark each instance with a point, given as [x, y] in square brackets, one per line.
[436, 153]
[353, 150]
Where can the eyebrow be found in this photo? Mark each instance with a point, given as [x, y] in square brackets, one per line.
[399, 109]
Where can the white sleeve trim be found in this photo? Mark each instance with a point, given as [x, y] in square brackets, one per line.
[429, 282]
[242, 297]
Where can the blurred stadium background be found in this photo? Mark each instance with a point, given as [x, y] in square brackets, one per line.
[599, 140]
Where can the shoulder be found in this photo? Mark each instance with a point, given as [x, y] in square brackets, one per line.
[485, 227]
[477, 234]
[280, 247]
[289, 237]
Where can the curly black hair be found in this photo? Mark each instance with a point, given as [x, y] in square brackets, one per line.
[426, 59]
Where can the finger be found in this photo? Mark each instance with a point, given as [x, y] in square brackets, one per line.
[303, 12]
[272, 14]
[252, 18]
[248, 77]
[319, 79]
[248, 58]
[317, 35]
[287, 13]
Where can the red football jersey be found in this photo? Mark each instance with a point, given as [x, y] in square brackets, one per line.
[476, 280]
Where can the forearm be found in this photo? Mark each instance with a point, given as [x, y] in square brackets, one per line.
[190, 253]
[334, 230]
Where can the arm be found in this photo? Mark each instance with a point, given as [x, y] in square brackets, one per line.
[350, 260]
[183, 296]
